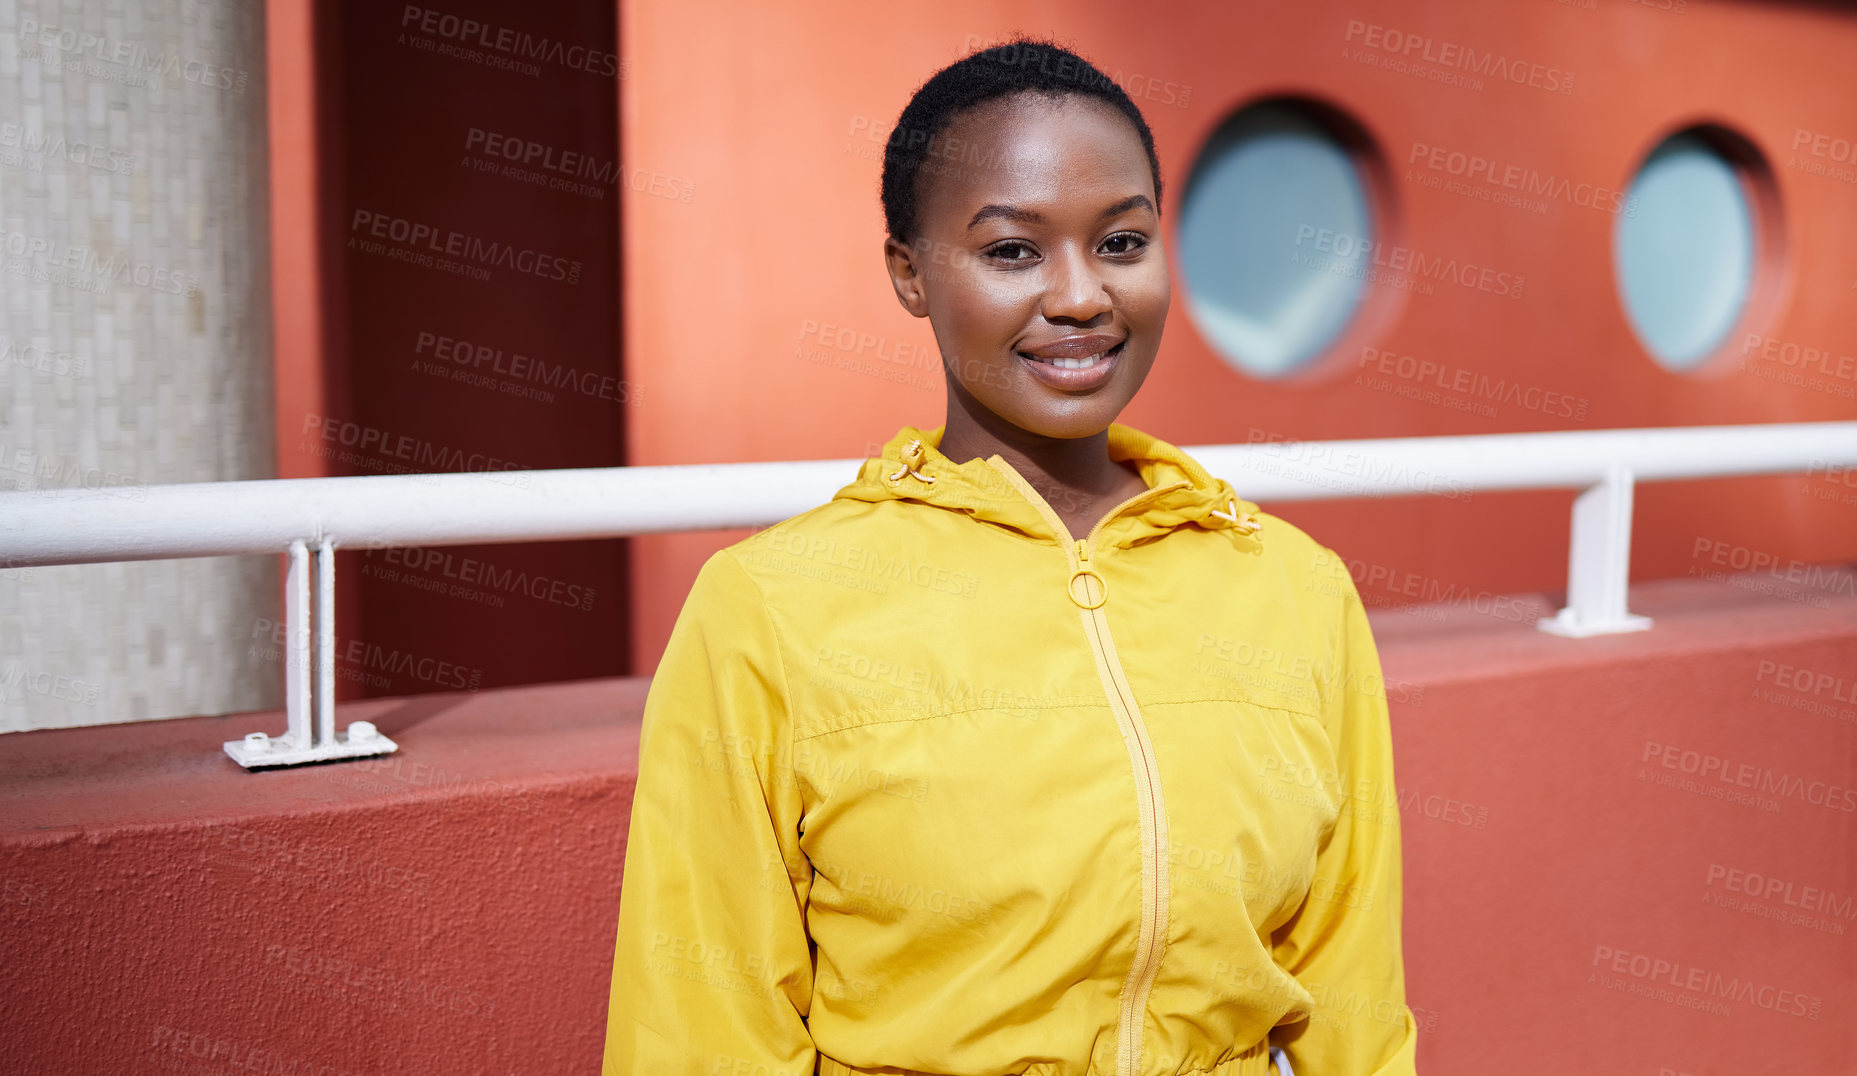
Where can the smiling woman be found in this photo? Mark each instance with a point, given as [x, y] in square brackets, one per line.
[1023, 200]
[1042, 822]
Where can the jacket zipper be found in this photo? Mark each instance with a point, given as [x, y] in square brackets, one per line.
[1150, 939]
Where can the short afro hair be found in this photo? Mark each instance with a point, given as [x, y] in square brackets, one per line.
[1022, 65]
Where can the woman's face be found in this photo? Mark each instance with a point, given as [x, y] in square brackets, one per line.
[1038, 261]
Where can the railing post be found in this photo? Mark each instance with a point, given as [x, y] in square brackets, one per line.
[1599, 562]
[298, 685]
[309, 675]
[325, 643]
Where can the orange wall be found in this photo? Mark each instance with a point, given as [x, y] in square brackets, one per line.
[300, 209]
[765, 115]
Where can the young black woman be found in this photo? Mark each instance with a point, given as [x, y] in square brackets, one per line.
[1036, 750]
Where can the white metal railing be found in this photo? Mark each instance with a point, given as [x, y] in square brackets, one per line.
[309, 518]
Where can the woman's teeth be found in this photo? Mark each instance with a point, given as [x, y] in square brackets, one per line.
[1083, 363]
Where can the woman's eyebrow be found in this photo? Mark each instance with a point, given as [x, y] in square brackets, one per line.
[1125, 205]
[1027, 216]
[1010, 212]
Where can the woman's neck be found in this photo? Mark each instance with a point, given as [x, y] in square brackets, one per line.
[1075, 476]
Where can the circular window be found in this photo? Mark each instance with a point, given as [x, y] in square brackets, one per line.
[1684, 249]
[1275, 237]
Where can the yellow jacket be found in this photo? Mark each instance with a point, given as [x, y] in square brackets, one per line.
[926, 784]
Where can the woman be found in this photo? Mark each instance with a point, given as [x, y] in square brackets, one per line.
[1035, 750]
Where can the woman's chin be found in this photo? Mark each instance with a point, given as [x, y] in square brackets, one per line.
[1081, 418]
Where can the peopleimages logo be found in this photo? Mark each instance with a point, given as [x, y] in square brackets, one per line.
[527, 376]
[43, 360]
[130, 57]
[474, 250]
[1138, 86]
[27, 145]
[438, 565]
[1820, 577]
[516, 43]
[1766, 887]
[1827, 361]
[1343, 246]
[1479, 387]
[1506, 175]
[1818, 144]
[84, 268]
[541, 155]
[354, 655]
[1765, 781]
[1322, 464]
[1390, 41]
[1713, 984]
[16, 679]
[40, 470]
[379, 449]
[1812, 682]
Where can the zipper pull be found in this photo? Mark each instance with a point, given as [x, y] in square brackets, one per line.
[1083, 568]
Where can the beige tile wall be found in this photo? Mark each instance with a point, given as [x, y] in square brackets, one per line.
[134, 343]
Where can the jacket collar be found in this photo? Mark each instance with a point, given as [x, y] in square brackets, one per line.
[913, 469]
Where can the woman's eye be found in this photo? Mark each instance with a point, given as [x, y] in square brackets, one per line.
[1124, 243]
[1012, 251]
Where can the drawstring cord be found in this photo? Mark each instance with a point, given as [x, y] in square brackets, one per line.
[1241, 520]
[912, 455]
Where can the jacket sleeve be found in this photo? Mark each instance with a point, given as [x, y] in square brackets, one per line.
[713, 967]
[1343, 945]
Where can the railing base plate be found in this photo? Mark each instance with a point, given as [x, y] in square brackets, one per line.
[1564, 623]
[259, 751]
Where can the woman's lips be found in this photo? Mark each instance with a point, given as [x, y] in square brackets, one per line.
[1073, 373]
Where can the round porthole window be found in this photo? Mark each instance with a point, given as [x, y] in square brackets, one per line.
[1275, 238]
[1685, 249]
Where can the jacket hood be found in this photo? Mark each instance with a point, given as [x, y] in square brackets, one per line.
[912, 468]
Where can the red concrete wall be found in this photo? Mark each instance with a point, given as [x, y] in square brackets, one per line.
[778, 130]
[1632, 854]
[449, 909]
[1628, 854]
[449, 233]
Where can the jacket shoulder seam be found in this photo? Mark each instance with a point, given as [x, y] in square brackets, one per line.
[780, 649]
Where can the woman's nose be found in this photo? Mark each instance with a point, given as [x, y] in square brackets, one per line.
[1076, 291]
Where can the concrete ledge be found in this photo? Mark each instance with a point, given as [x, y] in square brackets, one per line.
[1567, 807]
[449, 908]
[174, 772]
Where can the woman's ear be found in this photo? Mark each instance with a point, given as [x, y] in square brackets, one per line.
[904, 277]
